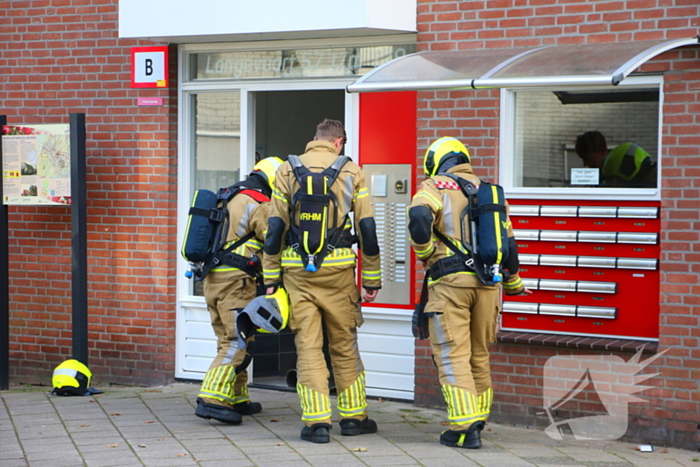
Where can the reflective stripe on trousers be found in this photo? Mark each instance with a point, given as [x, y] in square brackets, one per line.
[316, 407]
[464, 408]
[219, 384]
[353, 401]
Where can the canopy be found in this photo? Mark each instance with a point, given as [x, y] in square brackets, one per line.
[579, 64]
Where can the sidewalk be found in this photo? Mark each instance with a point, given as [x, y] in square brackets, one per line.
[157, 427]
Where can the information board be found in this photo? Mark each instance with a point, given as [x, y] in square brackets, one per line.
[36, 165]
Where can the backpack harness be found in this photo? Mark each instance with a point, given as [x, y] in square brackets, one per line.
[218, 222]
[311, 237]
[486, 250]
[488, 247]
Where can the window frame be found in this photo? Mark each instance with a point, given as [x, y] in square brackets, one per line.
[507, 167]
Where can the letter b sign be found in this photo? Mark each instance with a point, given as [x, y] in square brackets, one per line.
[149, 67]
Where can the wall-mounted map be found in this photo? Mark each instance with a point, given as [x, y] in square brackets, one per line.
[36, 164]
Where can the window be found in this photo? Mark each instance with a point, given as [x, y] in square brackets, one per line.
[542, 126]
[217, 139]
[217, 145]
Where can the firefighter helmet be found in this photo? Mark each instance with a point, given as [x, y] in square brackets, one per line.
[440, 151]
[267, 168]
[72, 378]
[267, 314]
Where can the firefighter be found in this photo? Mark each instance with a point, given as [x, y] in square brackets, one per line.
[626, 165]
[328, 296]
[463, 310]
[224, 392]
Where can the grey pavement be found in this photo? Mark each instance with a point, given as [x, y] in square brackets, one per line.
[157, 427]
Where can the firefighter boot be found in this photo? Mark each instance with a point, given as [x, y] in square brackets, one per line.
[353, 426]
[317, 433]
[248, 408]
[220, 412]
[467, 439]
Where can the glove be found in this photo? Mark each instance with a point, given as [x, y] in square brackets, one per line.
[419, 325]
[514, 285]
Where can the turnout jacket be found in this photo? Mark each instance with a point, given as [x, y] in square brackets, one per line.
[350, 188]
[245, 215]
[438, 204]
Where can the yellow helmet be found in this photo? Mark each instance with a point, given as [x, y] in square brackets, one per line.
[267, 169]
[72, 378]
[626, 161]
[442, 150]
[267, 314]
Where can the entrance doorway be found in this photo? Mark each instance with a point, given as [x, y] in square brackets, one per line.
[284, 122]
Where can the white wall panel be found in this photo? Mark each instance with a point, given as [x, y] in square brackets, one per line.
[183, 21]
[374, 325]
[200, 330]
[385, 342]
[377, 382]
[387, 349]
[200, 348]
[197, 366]
[381, 343]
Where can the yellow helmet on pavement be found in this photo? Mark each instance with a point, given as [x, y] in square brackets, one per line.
[72, 378]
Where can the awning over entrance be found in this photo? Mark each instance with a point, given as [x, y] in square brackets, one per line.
[584, 64]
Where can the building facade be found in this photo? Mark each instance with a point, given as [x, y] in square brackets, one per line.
[245, 84]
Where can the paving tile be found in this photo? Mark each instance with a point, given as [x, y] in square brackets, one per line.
[551, 460]
[390, 460]
[74, 456]
[590, 455]
[462, 462]
[344, 460]
[228, 463]
[13, 462]
[274, 458]
[496, 458]
[115, 462]
[11, 453]
[81, 430]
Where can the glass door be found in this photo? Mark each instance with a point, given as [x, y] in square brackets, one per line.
[216, 145]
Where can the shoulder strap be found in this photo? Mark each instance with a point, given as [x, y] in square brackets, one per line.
[298, 169]
[450, 244]
[225, 195]
[256, 195]
[468, 187]
[228, 194]
[333, 171]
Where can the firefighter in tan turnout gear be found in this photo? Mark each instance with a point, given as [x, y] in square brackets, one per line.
[311, 202]
[231, 286]
[462, 309]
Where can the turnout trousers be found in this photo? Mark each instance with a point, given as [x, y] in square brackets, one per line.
[327, 297]
[463, 326]
[224, 292]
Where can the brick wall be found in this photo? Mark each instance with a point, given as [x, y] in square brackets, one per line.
[60, 57]
[671, 415]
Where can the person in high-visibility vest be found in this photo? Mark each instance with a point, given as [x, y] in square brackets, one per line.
[626, 165]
